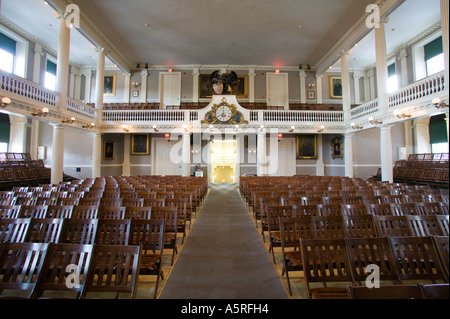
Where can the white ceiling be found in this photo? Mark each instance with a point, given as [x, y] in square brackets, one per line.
[236, 32]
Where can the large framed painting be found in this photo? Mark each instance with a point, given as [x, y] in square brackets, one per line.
[109, 85]
[336, 87]
[108, 150]
[140, 144]
[207, 92]
[307, 146]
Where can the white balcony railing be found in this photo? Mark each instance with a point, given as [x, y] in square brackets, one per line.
[147, 115]
[27, 89]
[81, 108]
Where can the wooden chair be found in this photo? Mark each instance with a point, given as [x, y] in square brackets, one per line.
[149, 234]
[147, 195]
[32, 211]
[328, 227]
[9, 211]
[274, 213]
[436, 291]
[379, 209]
[371, 199]
[44, 230]
[291, 230]
[85, 212]
[133, 202]
[424, 225]
[138, 212]
[377, 251]
[325, 261]
[170, 215]
[59, 265]
[111, 202]
[404, 209]
[394, 199]
[21, 265]
[113, 232]
[443, 221]
[89, 201]
[429, 209]
[385, 292]
[353, 200]
[304, 210]
[79, 231]
[332, 200]
[111, 212]
[261, 213]
[14, 230]
[416, 259]
[441, 243]
[115, 268]
[388, 226]
[329, 209]
[359, 226]
[59, 211]
[354, 209]
[180, 204]
[157, 202]
[67, 201]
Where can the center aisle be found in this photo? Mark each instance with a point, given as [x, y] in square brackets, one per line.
[223, 256]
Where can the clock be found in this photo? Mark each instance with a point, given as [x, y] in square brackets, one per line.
[223, 113]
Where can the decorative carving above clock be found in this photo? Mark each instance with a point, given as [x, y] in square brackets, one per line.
[224, 113]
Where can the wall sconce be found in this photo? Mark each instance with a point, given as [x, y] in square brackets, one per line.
[356, 127]
[401, 115]
[170, 70]
[374, 122]
[236, 127]
[89, 126]
[42, 113]
[292, 129]
[70, 121]
[321, 129]
[311, 86]
[252, 151]
[194, 152]
[261, 127]
[185, 127]
[438, 103]
[155, 129]
[277, 71]
[5, 102]
[125, 128]
[135, 84]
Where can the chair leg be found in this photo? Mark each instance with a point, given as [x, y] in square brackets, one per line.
[288, 282]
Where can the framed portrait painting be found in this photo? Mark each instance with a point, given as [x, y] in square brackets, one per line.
[307, 146]
[108, 150]
[109, 85]
[337, 149]
[311, 95]
[336, 87]
[140, 144]
[205, 91]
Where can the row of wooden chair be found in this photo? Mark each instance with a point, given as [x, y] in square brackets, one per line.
[417, 291]
[397, 260]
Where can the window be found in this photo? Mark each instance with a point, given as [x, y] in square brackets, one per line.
[7, 53]
[434, 56]
[392, 84]
[50, 75]
[438, 134]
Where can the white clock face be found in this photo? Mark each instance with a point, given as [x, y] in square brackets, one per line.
[223, 113]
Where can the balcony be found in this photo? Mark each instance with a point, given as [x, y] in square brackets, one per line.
[28, 97]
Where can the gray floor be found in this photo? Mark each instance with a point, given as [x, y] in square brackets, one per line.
[223, 257]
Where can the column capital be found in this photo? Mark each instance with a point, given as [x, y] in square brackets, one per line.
[302, 73]
[144, 73]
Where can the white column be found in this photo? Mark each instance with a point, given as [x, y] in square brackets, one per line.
[100, 79]
[373, 94]
[386, 154]
[345, 87]
[302, 75]
[356, 77]
[319, 93]
[71, 93]
[195, 75]
[251, 85]
[320, 167]
[126, 167]
[366, 88]
[34, 138]
[186, 155]
[126, 87]
[382, 73]
[62, 69]
[57, 168]
[408, 139]
[445, 37]
[348, 154]
[18, 134]
[38, 53]
[404, 67]
[97, 155]
[87, 86]
[144, 80]
[261, 158]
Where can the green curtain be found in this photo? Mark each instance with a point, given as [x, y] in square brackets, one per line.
[433, 48]
[438, 129]
[51, 67]
[7, 44]
[391, 70]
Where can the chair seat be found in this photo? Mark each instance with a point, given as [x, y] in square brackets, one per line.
[294, 257]
[329, 293]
